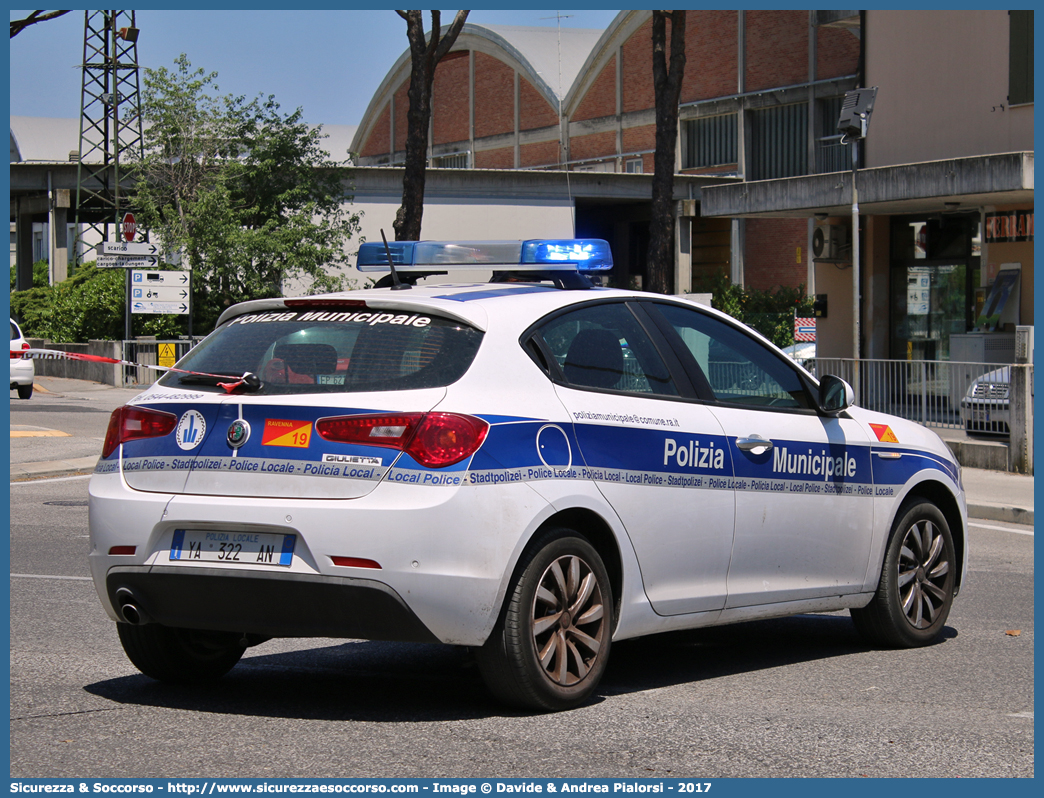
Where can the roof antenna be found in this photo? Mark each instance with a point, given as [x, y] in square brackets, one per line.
[397, 284]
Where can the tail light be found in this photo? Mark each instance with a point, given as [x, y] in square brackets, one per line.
[434, 440]
[129, 423]
[16, 354]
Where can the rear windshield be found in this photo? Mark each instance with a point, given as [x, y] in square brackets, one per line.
[318, 350]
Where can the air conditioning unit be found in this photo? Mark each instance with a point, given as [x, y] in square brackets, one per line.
[830, 242]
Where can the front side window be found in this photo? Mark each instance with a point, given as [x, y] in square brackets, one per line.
[739, 369]
[603, 347]
[318, 350]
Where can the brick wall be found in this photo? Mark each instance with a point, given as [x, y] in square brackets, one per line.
[600, 98]
[494, 97]
[771, 255]
[501, 158]
[536, 112]
[837, 52]
[451, 112]
[777, 48]
[540, 154]
[636, 70]
[595, 145]
[402, 105]
[378, 140]
[639, 139]
[710, 55]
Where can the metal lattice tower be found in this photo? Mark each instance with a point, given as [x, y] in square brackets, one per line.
[110, 120]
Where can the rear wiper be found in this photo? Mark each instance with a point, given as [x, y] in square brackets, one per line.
[247, 381]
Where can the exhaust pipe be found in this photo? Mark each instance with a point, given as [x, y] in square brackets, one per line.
[129, 609]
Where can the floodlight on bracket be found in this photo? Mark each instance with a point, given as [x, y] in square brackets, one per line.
[855, 113]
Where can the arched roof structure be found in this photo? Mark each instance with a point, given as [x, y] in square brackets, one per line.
[549, 58]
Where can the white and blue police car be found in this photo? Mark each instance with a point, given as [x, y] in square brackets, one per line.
[533, 467]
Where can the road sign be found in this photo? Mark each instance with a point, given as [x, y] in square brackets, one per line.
[129, 226]
[125, 262]
[163, 292]
[126, 248]
[153, 278]
[167, 356]
[159, 293]
[161, 308]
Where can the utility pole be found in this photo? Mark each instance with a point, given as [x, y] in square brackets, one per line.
[110, 122]
[110, 130]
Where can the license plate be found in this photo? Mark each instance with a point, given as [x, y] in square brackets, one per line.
[243, 548]
[981, 416]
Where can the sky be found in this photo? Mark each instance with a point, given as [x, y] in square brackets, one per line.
[329, 63]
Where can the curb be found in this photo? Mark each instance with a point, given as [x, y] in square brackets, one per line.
[1000, 512]
[24, 472]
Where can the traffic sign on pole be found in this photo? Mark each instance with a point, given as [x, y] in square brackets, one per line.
[129, 226]
[160, 308]
[139, 277]
[160, 292]
[126, 248]
[125, 261]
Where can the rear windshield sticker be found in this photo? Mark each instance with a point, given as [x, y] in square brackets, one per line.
[356, 317]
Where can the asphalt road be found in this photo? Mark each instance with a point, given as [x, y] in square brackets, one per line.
[799, 697]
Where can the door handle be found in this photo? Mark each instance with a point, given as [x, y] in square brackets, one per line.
[755, 444]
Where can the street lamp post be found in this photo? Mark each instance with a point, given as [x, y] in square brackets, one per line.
[852, 124]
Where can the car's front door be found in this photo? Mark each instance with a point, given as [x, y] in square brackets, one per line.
[804, 489]
[660, 459]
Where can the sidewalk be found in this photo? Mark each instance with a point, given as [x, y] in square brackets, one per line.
[991, 495]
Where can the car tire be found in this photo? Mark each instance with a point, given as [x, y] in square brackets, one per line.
[180, 656]
[25, 391]
[915, 592]
[550, 646]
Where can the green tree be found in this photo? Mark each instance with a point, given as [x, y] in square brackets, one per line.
[244, 192]
[41, 275]
[771, 313]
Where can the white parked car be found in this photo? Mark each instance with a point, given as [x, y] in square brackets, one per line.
[532, 468]
[23, 372]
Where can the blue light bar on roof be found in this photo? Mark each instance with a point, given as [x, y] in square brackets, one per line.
[540, 255]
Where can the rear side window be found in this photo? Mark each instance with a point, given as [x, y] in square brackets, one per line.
[14, 332]
[316, 350]
[603, 347]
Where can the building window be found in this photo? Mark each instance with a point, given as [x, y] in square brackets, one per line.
[779, 139]
[634, 166]
[456, 160]
[831, 154]
[709, 141]
[1020, 57]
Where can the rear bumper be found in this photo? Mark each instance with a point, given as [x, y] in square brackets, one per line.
[282, 605]
[22, 373]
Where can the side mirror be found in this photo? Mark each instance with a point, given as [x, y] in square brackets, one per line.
[835, 395]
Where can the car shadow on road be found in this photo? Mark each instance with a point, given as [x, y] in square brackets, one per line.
[381, 682]
[697, 655]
